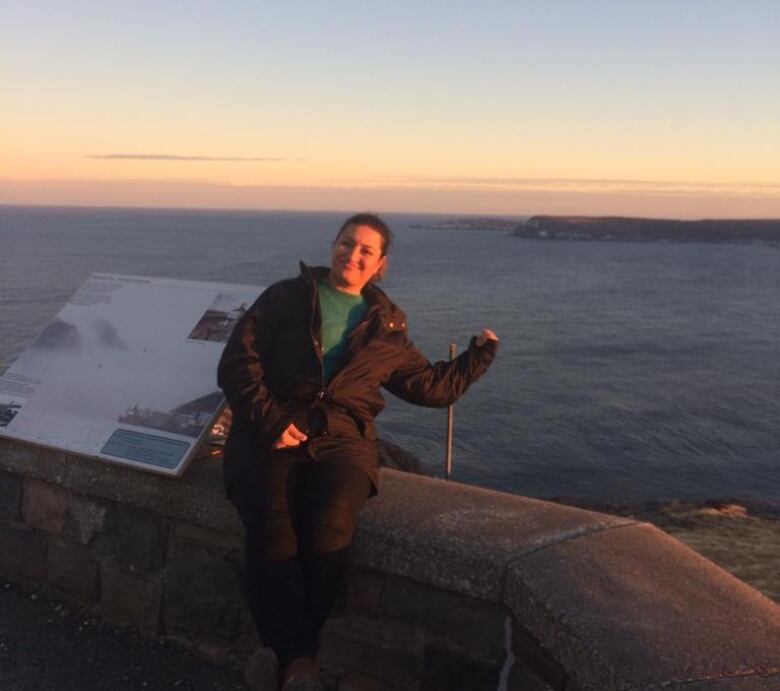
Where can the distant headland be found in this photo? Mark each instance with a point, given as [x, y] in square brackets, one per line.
[624, 229]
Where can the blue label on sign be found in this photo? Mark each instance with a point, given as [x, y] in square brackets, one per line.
[146, 448]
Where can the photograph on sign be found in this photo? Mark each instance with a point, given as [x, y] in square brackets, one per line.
[9, 407]
[218, 321]
[126, 371]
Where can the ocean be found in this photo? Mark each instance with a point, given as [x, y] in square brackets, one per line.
[627, 372]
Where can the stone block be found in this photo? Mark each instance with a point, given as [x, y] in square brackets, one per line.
[461, 538]
[364, 591]
[632, 608]
[131, 600]
[86, 519]
[400, 666]
[340, 651]
[358, 681]
[385, 650]
[103, 542]
[197, 496]
[227, 542]
[203, 585]
[10, 496]
[476, 625]
[22, 552]
[28, 460]
[756, 682]
[140, 539]
[521, 678]
[446, 669]
[73, 569]
[45, 506]
[530, 654]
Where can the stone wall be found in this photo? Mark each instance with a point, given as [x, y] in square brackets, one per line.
[157, 571]
[453, 587]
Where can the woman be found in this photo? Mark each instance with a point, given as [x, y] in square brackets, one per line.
[301, 373]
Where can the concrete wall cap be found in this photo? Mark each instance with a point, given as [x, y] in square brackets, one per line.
[459, 537]
[635, 609]
[197, 496]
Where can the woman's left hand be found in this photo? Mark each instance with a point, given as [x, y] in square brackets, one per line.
[485, 336]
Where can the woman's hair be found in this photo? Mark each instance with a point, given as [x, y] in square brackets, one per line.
[375, 223]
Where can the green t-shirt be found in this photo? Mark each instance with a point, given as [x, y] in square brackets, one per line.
[341, 312]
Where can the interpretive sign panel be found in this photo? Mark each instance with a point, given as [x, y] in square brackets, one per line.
[126, 371]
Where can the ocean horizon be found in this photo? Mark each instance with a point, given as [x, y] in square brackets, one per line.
[627, 372]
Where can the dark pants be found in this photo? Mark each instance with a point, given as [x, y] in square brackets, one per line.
[300, 518]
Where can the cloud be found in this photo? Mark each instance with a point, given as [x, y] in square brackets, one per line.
[592, 185]
[206, 159]
[406, 198]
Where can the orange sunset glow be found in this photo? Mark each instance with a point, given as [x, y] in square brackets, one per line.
[499, 109]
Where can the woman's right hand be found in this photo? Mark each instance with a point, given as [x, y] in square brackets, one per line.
[484, 336]
[290, 438]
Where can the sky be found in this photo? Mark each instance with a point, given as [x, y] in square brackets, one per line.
[517, 107]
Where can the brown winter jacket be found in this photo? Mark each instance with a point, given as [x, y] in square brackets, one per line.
[271, 373]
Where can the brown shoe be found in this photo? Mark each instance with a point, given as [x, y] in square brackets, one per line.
[303, 674]
[262, 670]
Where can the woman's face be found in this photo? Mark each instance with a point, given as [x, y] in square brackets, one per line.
[356, 258]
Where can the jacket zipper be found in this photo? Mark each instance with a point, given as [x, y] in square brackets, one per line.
[354, 338]
[316, 338]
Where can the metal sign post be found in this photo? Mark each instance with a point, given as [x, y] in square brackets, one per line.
[448, 454]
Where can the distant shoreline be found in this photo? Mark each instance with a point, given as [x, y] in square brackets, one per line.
[624, 229]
